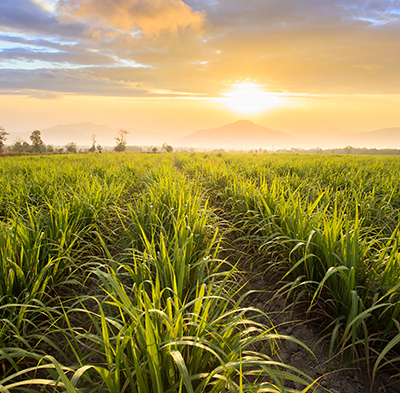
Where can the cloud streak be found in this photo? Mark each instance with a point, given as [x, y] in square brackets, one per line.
[79, 56]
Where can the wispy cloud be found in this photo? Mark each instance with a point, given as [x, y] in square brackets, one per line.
[79, 56]
[45, 96]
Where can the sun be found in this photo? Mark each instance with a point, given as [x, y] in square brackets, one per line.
[249, 98]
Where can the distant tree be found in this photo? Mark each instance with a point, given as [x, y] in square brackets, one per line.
[154, 150]
[26, 147]
[348, 149]
[136, 149]
[121, 140]
[93, 147]
[167, 148]
[3, 138]
[99, 148]
[71, 147]
[17, 147]
[37, 142]
[49, 148]
[21, 146]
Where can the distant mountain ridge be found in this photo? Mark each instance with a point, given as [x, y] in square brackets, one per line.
[81, 133]
[243, 134]
[379, 139]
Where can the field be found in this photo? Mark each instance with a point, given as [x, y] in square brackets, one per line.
[114, 276]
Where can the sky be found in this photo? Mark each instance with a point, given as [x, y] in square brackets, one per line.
[309, 68]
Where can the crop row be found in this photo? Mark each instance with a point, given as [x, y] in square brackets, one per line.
[329, 226]
[111, 282]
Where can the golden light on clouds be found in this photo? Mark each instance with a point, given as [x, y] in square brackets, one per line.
[149, 16]
[249, 98]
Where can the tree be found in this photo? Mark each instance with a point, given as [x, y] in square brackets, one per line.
[17, 146]
[37, 142]
[71, 147]
[21, 146]
[121, 140]
[26, 147]
[167, 148]
[49, 148]
[348, 149]
[93, 148]
[3, 138]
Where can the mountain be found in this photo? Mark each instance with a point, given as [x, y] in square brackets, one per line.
[242, 134]
[80, 133]
[379, 139]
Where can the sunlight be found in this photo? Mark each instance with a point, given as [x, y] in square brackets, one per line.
[249, 98]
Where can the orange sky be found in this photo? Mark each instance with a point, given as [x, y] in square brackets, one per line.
[173, 66]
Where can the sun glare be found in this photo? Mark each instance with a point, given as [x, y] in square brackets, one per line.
[249, 98]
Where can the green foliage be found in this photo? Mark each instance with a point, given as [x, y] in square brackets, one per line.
[37, 142]
[48, 209]
[165, 314]
[3, 138]
[156, 310]
[334, 223]
[71, 147]
[21, 146]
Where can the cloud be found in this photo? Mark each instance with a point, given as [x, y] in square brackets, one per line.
[278, 13]
[149, 16]
[80, 56]
[26, 16]
[76, 81]
[45, 96]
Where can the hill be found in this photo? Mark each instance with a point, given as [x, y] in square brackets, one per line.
[81, 133]
[242, 134]
[380, 139]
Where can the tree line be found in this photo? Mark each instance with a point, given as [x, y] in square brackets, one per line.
[38, 146]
